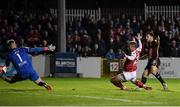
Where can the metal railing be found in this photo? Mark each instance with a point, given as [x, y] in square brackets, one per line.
[78, 14]
[170, 11]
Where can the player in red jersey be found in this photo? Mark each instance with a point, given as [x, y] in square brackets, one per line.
[130, 67]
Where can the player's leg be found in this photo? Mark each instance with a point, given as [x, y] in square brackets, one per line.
[40, 82]
[37, 80]
[154, 71]
[12, 79]
[141, 85]
[118, 81]
[145, 76]
[9, 79]
[137, 82]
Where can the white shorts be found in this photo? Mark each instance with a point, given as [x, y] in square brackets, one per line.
[127, 76]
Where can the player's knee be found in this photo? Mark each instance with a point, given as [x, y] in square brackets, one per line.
[113, 80]
[153, 69]
[145, 74]
[121, 77]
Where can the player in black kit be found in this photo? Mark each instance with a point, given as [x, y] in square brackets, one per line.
[153, 44]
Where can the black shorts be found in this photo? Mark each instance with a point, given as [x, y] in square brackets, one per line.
[152, 63]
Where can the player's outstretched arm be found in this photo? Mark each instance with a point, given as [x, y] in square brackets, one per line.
[41, 49]
[139, 37]
[50, 48]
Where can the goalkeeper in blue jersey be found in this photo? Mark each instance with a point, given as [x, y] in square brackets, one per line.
[21, 62]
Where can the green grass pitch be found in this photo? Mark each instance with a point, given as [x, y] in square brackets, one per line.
[87, 92]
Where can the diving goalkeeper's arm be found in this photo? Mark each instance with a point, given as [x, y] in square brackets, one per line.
[40, 49]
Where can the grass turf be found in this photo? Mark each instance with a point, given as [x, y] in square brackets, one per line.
[87, 92]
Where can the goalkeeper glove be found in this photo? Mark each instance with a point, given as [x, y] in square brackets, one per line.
[3, 69]
[51, 47]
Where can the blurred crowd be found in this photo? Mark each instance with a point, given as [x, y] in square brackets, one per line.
[28, 29]
[106, 37]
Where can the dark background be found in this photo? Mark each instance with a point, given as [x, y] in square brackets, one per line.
[117, 3]
[44, 4]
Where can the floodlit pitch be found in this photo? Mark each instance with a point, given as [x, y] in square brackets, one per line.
[83, 92]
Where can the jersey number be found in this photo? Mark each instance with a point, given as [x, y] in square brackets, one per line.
[19, 57]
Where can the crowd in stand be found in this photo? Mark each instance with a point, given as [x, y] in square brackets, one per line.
[28, 29]
[89, 37]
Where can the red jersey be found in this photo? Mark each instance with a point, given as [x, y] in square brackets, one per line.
[130, 64]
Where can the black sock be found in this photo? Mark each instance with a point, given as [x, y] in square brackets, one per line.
[158, 76]
[144, 80]
[41, 83]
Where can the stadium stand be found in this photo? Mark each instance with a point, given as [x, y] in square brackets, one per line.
[28, 29]
[89, 37]
[96, 37]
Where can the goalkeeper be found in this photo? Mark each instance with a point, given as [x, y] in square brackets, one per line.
[21, 62]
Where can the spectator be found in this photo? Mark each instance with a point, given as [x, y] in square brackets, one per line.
[46, 37]
[87, 51]
[27, 28]
[69, 44]
[165, 43]
[22, 42]
[174, 49]
[33, 39]
[88, 37]
[99, 46]
[110, 55]
[96, 51]
[79, 51]
[119, 54]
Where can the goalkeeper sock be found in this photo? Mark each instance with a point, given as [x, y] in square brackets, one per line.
[144, 80]
[42, 83]
[158, 76]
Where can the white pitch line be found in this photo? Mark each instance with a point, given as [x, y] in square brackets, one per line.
[93, 97]
[109, 99]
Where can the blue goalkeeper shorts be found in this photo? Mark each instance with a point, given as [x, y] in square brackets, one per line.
[32, 75]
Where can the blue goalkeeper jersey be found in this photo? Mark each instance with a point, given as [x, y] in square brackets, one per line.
[21, 61]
